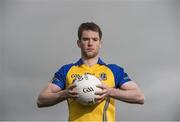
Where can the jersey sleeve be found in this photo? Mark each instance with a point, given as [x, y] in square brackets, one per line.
[120, 76]
[59, 78]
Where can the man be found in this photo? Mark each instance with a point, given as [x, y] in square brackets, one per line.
[115, 82]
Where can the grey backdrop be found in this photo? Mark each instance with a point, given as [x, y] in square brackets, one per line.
[39, 36]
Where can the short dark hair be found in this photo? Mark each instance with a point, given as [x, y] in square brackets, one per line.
[89, 26]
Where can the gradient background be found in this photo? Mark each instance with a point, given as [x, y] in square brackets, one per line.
[39, 36]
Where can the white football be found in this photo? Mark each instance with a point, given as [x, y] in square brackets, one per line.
[86, 88]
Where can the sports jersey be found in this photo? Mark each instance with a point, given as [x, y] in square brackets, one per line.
[110, 74]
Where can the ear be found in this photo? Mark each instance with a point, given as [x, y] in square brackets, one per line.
[78, 43]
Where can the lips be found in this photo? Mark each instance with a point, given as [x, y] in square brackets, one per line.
[90, 49]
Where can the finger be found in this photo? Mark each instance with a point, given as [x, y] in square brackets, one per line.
[101, 86]
[104, 91]
[99, 99]
[73, 96]
[72, 92]
[72, 86]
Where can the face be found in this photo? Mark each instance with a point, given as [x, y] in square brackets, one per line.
[90, 44]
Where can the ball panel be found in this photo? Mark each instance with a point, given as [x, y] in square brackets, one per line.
[86, 88]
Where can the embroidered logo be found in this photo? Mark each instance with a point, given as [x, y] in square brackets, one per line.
[103, 76]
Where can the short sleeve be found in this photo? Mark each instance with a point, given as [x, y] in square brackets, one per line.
[119, 75]
[59, 78]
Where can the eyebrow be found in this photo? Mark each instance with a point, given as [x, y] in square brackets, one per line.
[85, 38]
[89, 38]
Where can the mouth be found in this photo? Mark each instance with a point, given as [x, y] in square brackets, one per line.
[90, 49]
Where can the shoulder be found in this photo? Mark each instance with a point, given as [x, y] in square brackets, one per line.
[64, 69]
[66, 66]
[115, 67]
[117, 70]
[120, 75]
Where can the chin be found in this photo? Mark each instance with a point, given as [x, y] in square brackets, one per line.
[88, 56]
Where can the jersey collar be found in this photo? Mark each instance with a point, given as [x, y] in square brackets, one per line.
[80, 61]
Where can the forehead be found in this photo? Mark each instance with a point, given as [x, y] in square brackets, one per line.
[90, 33]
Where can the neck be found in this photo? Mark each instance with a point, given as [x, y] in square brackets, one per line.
[91, 61]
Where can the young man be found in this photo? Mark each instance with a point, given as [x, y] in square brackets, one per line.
[116, 83]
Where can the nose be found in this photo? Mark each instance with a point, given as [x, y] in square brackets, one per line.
[90, 42]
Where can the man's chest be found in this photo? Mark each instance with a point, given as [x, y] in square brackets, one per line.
[101, 72]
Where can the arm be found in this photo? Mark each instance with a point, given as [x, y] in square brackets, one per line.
[128, 92]
[52, 94]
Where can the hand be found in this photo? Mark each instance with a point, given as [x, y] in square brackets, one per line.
[71, 92]
[102, 94]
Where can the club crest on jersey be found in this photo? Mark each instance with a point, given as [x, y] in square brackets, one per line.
[103, 76]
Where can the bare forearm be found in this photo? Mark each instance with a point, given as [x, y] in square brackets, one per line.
[130, 96]
[49, 99]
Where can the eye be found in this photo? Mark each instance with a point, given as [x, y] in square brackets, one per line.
[95, 39]
[85, 39]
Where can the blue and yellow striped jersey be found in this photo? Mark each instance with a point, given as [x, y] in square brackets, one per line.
[110, 74]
